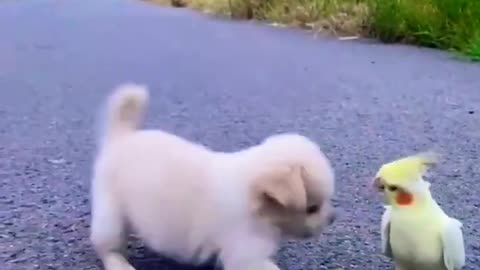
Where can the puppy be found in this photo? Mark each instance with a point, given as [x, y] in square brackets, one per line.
[191, 203]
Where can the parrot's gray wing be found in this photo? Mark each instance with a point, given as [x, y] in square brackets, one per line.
[453, 245]
[385, 233]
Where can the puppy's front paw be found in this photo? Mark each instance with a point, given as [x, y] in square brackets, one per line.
[265, 265]
[269, 265]
[259, 265]
[119, 266]
[116, 261]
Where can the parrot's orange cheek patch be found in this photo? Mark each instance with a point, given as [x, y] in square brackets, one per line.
[404, 198]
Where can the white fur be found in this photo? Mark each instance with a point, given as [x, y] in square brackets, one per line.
[182, 199]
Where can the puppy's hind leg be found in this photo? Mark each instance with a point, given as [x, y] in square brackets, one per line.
[108, 229]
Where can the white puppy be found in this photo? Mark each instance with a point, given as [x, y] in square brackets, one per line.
[191, 203]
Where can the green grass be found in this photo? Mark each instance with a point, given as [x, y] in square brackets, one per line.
[445, 24]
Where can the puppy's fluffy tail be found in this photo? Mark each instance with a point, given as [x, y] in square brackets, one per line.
[125, 109]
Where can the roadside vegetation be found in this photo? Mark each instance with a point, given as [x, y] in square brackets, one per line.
[445, 24]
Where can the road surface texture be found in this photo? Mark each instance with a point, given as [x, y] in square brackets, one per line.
[227, 85]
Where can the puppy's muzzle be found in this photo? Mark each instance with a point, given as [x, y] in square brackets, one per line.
[379, 184]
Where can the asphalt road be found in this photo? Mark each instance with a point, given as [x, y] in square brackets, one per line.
[228, 85]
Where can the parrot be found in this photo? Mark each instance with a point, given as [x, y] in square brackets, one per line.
[415, 232]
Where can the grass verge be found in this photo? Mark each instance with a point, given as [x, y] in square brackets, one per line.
[445, 24]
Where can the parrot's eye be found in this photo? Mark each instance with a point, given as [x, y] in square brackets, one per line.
[312, 209]
[381, 187]
[393, 188]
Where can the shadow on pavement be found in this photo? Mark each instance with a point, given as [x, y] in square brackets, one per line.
[145, 259]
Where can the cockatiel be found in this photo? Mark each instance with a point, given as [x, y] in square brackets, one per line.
[416, 233]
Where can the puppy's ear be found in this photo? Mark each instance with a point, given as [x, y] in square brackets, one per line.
[282, 187]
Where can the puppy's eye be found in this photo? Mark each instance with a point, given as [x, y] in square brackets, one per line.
[393, 188]
[312, 209]
[378, 183]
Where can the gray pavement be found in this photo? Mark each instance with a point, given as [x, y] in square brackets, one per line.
[228, 85]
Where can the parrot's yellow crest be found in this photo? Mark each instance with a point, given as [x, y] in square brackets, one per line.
[403, 171]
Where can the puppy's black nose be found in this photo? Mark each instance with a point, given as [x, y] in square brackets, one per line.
[332, 218]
